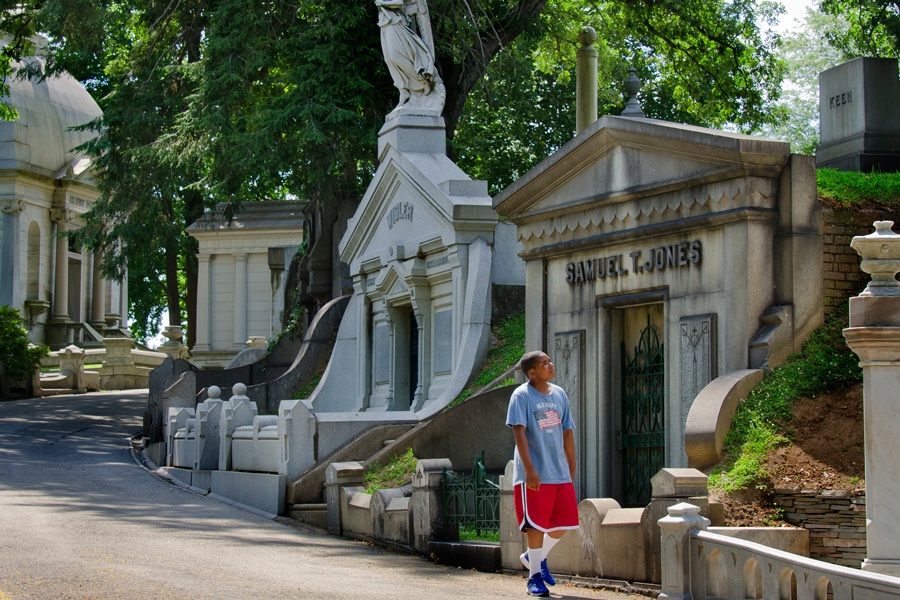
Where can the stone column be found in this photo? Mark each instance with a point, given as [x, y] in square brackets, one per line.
[61, 280]
[202, 341]
[874, 335]
[9, 247]
[586, 80]
[675, 539]
[58, 332]
[98, 298]
[240, 300]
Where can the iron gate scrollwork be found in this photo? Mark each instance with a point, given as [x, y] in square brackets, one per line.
[471, 502]
[643, 424]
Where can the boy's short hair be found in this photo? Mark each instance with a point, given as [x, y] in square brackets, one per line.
[530, 360]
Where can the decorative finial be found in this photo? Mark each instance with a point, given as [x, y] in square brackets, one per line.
[632, 87]
[880, 252]
[587, 36]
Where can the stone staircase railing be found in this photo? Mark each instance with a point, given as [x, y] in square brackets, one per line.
[700, 564]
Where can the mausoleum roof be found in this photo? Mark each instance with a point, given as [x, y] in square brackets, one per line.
[41, 139]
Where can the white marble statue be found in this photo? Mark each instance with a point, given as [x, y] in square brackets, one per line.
[409, 53]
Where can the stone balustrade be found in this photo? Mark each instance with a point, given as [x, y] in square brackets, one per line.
[697, 563]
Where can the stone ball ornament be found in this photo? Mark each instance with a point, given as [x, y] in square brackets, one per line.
[587, 36]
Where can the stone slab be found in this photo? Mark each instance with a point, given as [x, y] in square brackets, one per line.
[261, 491]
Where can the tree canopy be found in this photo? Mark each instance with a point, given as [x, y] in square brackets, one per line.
[873, 27]
[209, 101]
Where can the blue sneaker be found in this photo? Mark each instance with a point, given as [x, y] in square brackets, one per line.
[536, 587]
[545, 570]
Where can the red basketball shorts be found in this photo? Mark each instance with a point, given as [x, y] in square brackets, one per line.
[551, 507]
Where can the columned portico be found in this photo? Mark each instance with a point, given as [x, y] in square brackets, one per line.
[242, 272]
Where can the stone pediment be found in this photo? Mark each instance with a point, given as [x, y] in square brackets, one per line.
[622, 160]
[391, 282]
[416, 202]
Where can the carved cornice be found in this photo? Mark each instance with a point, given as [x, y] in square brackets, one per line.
[631, 215]
[12, 206]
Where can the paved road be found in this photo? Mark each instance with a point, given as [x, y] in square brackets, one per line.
[80, 519]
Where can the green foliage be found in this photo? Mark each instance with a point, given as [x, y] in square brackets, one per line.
[397, 473]
[21, 360]
[805, 52]
[702, 62]
[504, 353]
[825, 363]
[237, 100]
[873, 27]
[469, 534]
[849, 189]
[307, 389]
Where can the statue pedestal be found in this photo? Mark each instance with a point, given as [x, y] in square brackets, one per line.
[413, 130]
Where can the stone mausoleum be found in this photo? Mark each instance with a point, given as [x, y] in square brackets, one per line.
[243, 265]
[45, 185]
[659, 257]
[426, 254]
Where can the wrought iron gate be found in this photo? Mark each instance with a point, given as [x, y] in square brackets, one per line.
[643, 424]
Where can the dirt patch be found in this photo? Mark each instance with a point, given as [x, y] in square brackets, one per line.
[825, 453]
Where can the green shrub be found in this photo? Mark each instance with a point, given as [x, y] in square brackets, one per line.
[826, 363]
[508, 349]
[21, 360]
[397, 473]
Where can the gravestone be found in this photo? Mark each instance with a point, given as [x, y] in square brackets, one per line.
[859, 116]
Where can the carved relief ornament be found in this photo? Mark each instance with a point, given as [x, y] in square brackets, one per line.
[12, 206]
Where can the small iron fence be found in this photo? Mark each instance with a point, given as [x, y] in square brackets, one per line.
[471, 502]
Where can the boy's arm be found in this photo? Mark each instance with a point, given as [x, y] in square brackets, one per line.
[569, 449]
[532, 479]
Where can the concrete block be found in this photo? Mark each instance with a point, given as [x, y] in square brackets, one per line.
[579, 552]
[481, 556]
[390, 516]
[338, 476]
[622, 548]
[261, 491]
[427, 502]
[356, 516]
[255, 447]
[296, 430]
[183, 475]
[678, 483]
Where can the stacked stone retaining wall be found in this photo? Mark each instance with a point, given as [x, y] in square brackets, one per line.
[836, 521]
[843, 277]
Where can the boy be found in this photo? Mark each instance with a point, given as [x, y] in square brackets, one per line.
[544, 466]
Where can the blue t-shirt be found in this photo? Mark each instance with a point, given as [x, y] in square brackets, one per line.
[545, 417]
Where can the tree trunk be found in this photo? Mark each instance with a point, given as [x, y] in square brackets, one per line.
[193, 210]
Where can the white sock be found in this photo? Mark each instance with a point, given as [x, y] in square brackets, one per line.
[535, 556]
[549, 542]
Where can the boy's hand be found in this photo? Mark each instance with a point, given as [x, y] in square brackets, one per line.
[532, 479]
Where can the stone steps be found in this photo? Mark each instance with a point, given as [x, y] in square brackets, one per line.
[312, 514]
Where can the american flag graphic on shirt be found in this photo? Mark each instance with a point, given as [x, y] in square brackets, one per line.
[547, 418]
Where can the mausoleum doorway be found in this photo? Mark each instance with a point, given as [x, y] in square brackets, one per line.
[642, 400]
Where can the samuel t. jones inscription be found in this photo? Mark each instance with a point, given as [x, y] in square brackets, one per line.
[661, 258]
